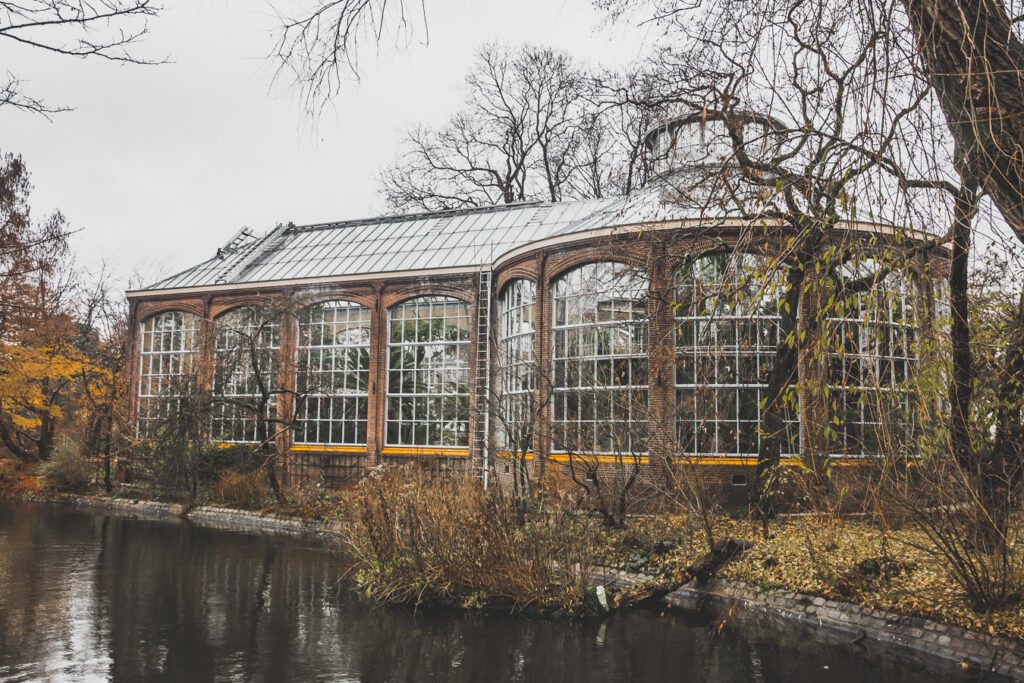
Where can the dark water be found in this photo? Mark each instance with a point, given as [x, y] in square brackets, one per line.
[88, 596]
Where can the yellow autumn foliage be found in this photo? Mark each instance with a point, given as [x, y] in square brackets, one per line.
[37, 383]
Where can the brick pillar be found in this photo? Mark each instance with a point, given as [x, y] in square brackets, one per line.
[207, 362]
[286, 379]
[542, 356]
[377, 401]
[661, 358]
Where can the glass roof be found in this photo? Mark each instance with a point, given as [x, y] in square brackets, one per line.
[391, 244]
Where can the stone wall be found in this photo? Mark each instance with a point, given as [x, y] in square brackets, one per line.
[866, 627]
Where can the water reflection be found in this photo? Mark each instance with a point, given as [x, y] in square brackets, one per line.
[86, 596]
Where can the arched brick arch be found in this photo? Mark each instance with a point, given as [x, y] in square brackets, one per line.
[152, 368]
[562, 263]
[579, 421]
[527, 270]
[416, 433]
[151, 309]
[390, 299]
[225, 305]
[304, 300]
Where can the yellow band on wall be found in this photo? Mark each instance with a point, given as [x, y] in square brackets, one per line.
[428, 451]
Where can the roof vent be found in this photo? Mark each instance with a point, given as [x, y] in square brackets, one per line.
[539, 214]
[440, 224]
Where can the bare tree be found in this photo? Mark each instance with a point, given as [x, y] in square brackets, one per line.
[318, 48]
[970, 50]
[804, 129]
[534, 126]
[104, 325]
[511, 141]
[85, 29]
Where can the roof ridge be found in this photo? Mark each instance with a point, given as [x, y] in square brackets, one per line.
[444, 213]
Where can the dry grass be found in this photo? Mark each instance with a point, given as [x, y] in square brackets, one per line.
[312, 501]
[246, 490]
[17, 479]
[446, 541]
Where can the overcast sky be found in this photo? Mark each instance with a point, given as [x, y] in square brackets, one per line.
[158, 166]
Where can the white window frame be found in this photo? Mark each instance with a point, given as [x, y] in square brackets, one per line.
[168, 349]
[880, 318]
[231, 421]
[600, 309]
[726, 342]
[517, 359]
[333, 373]
[435, 412]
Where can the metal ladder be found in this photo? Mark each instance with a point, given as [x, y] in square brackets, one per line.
[483, 373]
[251, 251]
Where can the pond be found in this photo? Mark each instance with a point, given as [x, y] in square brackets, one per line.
[94, 596]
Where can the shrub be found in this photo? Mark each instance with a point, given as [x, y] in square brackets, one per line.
[219, 459]
[8, 473]
[314, 500]
[976, 538]
[247, 490]
[67, 470]
[448, 541]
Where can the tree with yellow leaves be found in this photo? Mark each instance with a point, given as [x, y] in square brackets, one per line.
[46, 372]
[39, 388]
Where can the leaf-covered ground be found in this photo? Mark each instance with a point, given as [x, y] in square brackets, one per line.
[851, 561]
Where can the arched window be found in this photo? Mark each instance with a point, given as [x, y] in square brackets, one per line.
[167, 367]
[518, 364]
[333, 373]
[600, 361]
[727, 336]
[873, 358]
[245, 374]
[428, 373]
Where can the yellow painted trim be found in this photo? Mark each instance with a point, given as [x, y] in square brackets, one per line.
[508, 455]
[428, 451]
[704, 460]
[325, 448]
[600, 458]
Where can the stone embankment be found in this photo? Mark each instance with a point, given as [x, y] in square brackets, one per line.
[840, 621]
[230, 519]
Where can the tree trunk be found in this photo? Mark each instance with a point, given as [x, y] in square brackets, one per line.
[11, 443]
[773, 421]
[1000, 474]
[1011, 391]
[975, 63]
[961, 379]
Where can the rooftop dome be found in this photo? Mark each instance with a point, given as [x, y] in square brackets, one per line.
[694, 140]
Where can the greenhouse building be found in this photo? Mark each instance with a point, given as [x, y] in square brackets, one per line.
[635, 329]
